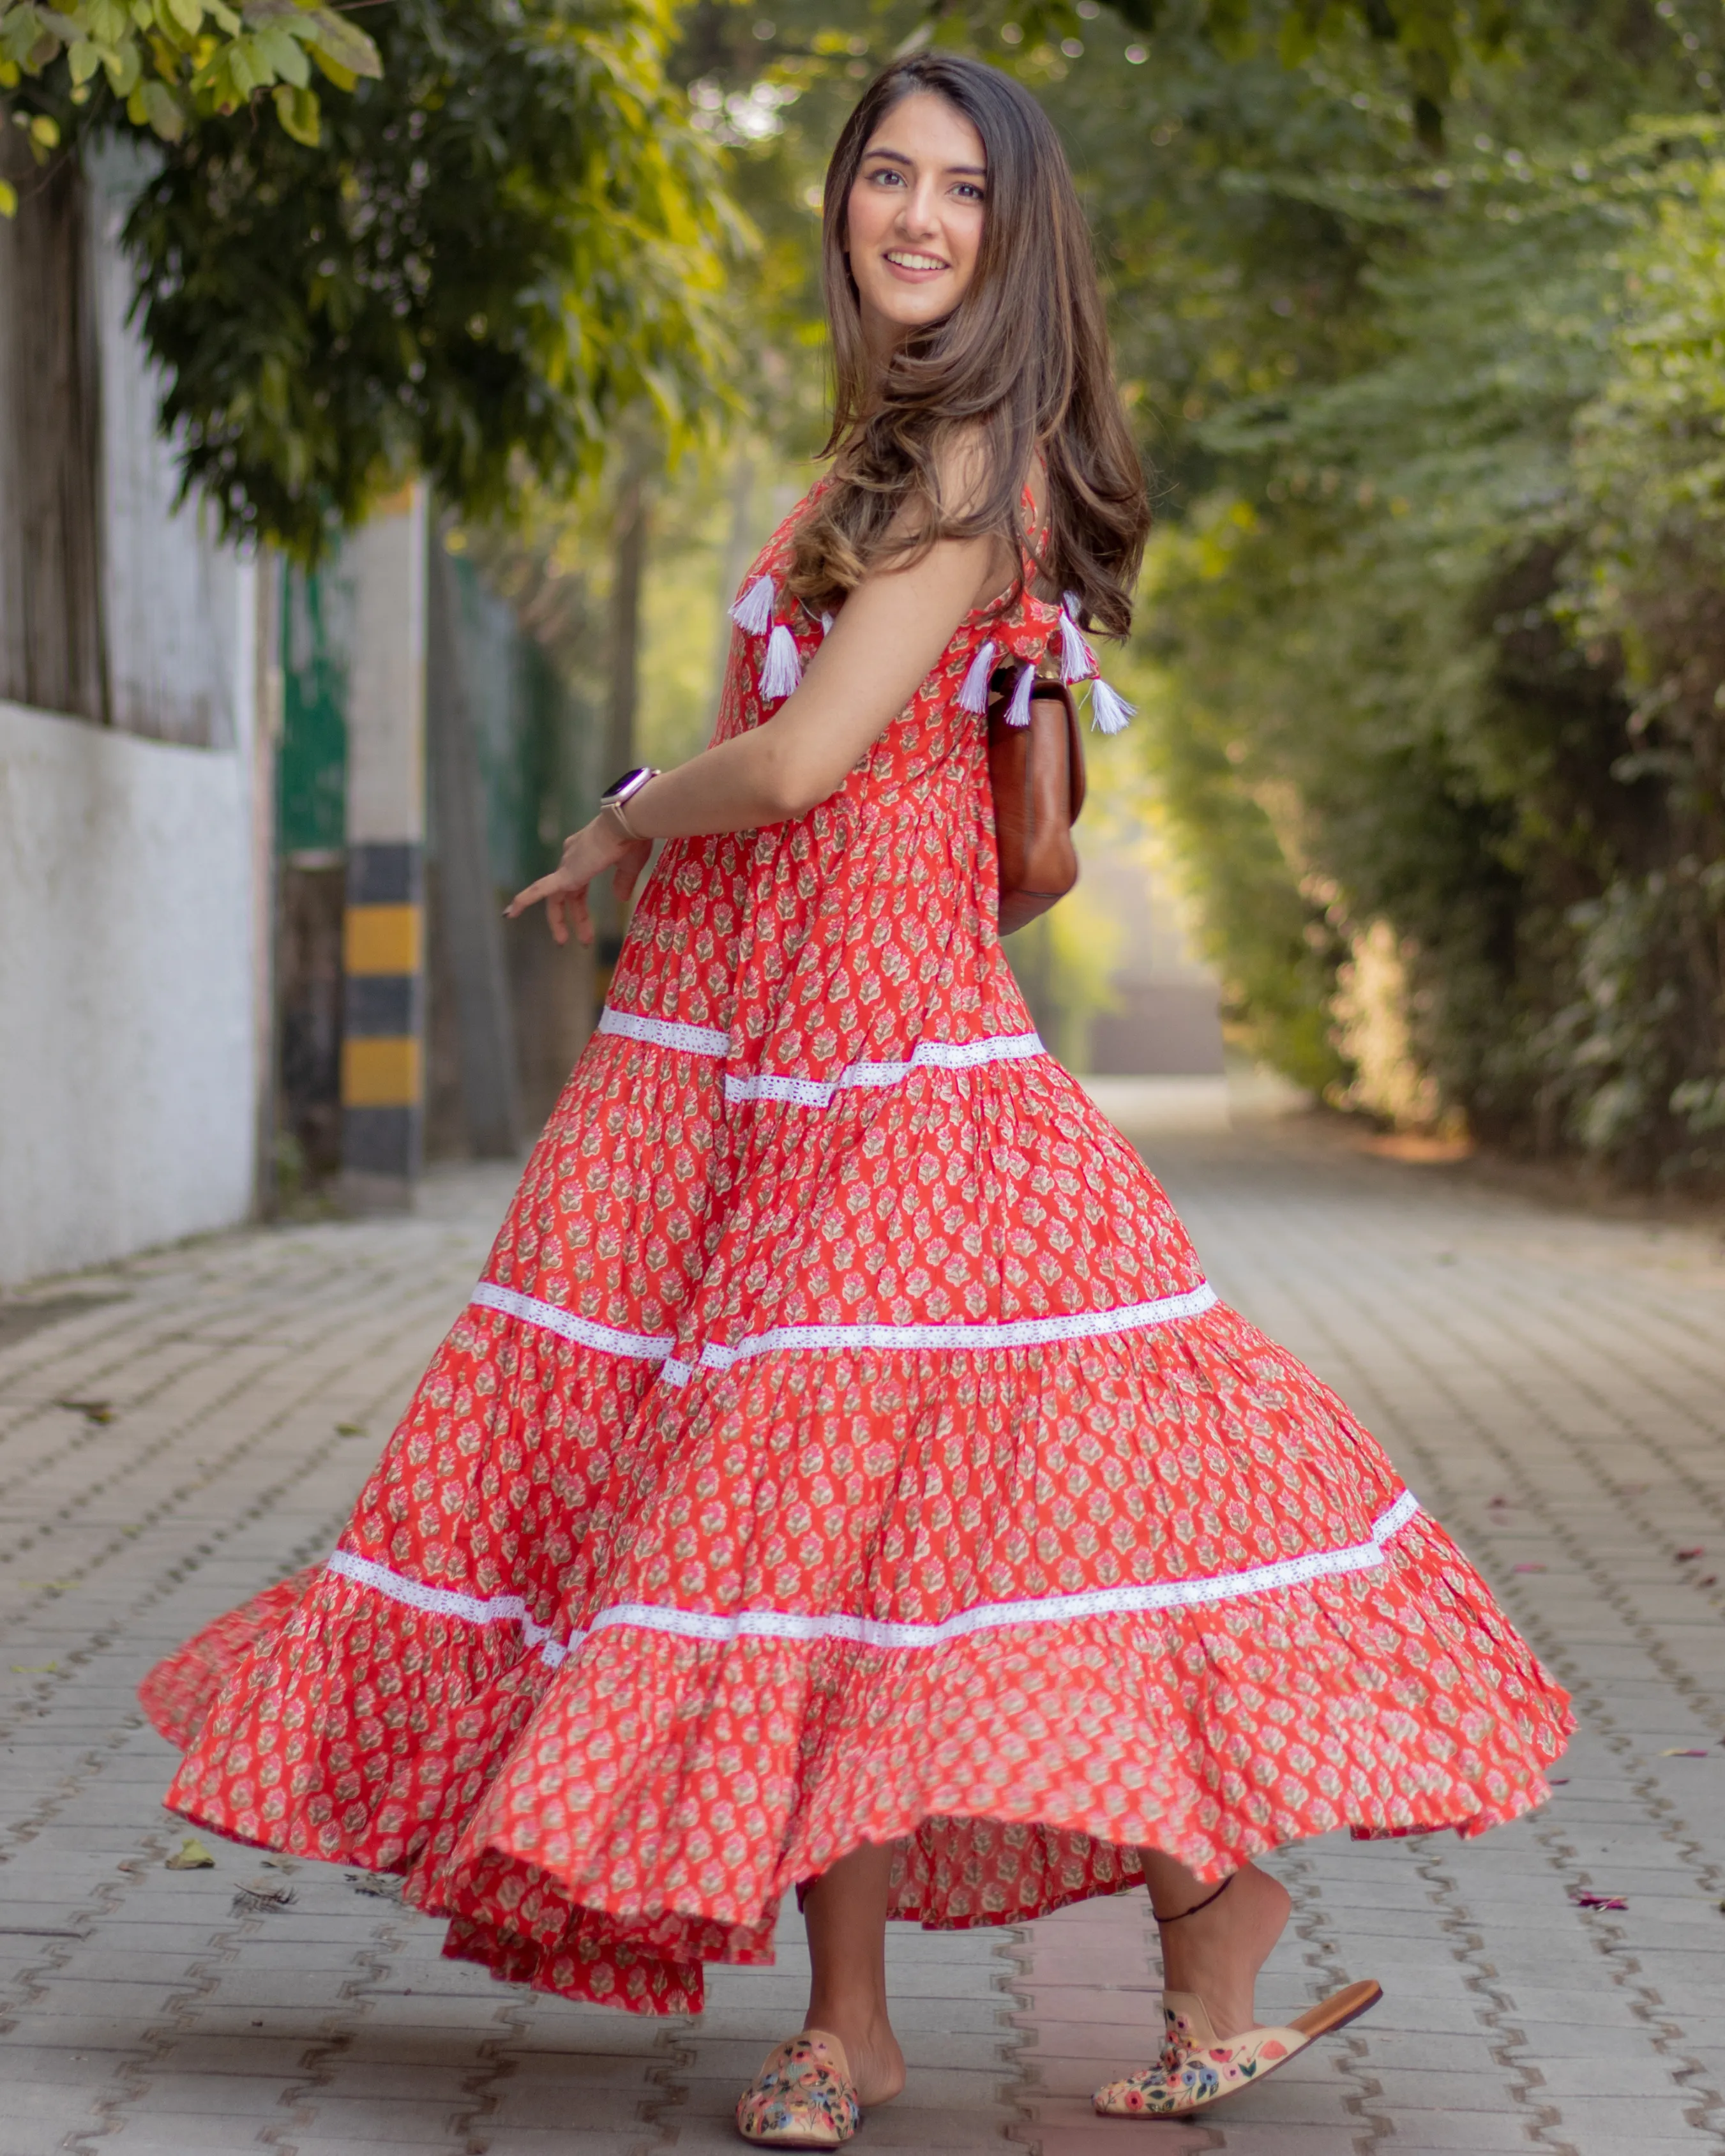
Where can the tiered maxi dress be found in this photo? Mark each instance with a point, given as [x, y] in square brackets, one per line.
[842, 1444]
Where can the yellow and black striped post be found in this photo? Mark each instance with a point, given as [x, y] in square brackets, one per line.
[383, 939]
[384, 1018]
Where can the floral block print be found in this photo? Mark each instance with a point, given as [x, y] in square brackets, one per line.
[844, 1444]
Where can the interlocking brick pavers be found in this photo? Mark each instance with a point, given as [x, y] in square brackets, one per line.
[1553, 1386]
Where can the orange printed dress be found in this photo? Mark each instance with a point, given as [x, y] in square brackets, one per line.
[842, 1444]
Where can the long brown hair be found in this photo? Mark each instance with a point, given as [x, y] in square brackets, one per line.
[1022, 361]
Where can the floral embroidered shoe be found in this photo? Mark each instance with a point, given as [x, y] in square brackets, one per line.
[803, 2097]
[1197, 2068]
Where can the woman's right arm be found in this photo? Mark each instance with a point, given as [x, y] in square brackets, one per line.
[888, 636]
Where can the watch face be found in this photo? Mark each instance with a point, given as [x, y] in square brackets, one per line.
[618, 785]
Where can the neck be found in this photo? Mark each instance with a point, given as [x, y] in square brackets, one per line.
[882, 339]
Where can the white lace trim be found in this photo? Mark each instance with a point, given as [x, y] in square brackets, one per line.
[818, 1092]
[665, 1033]
[927, 1055]
[991, 1616]
[643, 1346]
[446, 1602]
[869, 1632]
[960, 1338]
[1017, 1332]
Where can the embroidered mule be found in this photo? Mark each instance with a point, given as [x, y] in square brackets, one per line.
[803, 2097]
[1197, 2068]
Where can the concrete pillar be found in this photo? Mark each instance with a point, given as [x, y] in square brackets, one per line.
[470, 916]
[383, 943]
[261, 740]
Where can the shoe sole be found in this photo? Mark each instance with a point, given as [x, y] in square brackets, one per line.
[1323, 2019]
[1338, 2009]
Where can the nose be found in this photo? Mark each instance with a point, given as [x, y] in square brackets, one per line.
[916, 211]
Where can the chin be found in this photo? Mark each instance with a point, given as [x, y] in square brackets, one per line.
[922, 317]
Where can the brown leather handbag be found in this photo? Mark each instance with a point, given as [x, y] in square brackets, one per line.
[1037, 773]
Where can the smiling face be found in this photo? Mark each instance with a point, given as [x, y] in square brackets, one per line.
[914, 219]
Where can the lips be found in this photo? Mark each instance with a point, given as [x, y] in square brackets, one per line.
[903, 258]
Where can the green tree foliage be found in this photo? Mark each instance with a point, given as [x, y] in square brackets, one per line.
[1431, 37]
[167, 64]
[499, 246]
[1644, 1040]
[1431, 621]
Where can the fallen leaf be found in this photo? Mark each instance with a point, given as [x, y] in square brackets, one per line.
[384, 1885]
[35, 1669]
[1557, 1781]
[258, 1896]
[191, 1855]
[1528, 1567]
[1708, 1579]
[91, 1410]
[1684, 1556]
[1585, 1899]
[349, 1429]
[1684, 1752]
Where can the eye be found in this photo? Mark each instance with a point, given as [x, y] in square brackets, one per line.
[969, 190]
[886, 173]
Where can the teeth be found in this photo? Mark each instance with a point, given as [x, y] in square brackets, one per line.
[917, 261]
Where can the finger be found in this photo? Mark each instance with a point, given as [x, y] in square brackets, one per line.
[583, 919]
[554, 917]
[530, 896]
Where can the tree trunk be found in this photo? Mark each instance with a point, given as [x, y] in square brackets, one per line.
[629, 564]
[733, 568]
[52, 653]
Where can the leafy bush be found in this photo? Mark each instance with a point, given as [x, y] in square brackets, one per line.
[1433, 617]
[507, 240]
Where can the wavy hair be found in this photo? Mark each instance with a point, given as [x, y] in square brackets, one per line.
[1020, 366]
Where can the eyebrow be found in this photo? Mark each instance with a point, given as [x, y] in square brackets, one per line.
[899, 157]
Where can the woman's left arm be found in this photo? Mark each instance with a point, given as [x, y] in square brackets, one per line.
[889, 633]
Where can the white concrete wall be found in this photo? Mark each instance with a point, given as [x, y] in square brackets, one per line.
[134, 868]
[170, 586]
[128, 1070]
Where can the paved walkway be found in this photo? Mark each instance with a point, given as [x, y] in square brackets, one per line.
[176, 1432]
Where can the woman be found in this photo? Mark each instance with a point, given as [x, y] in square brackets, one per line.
[843, 1478]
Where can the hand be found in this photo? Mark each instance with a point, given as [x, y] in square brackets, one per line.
[586, 853]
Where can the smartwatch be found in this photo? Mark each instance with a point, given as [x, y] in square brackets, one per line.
[622, 791]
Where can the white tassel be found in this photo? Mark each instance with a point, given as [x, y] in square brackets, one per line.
[974, 696]
[1078, 662]
[754, 612]
[826, 624]
[784, 668]
[1018, 712]
[1109, 711]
